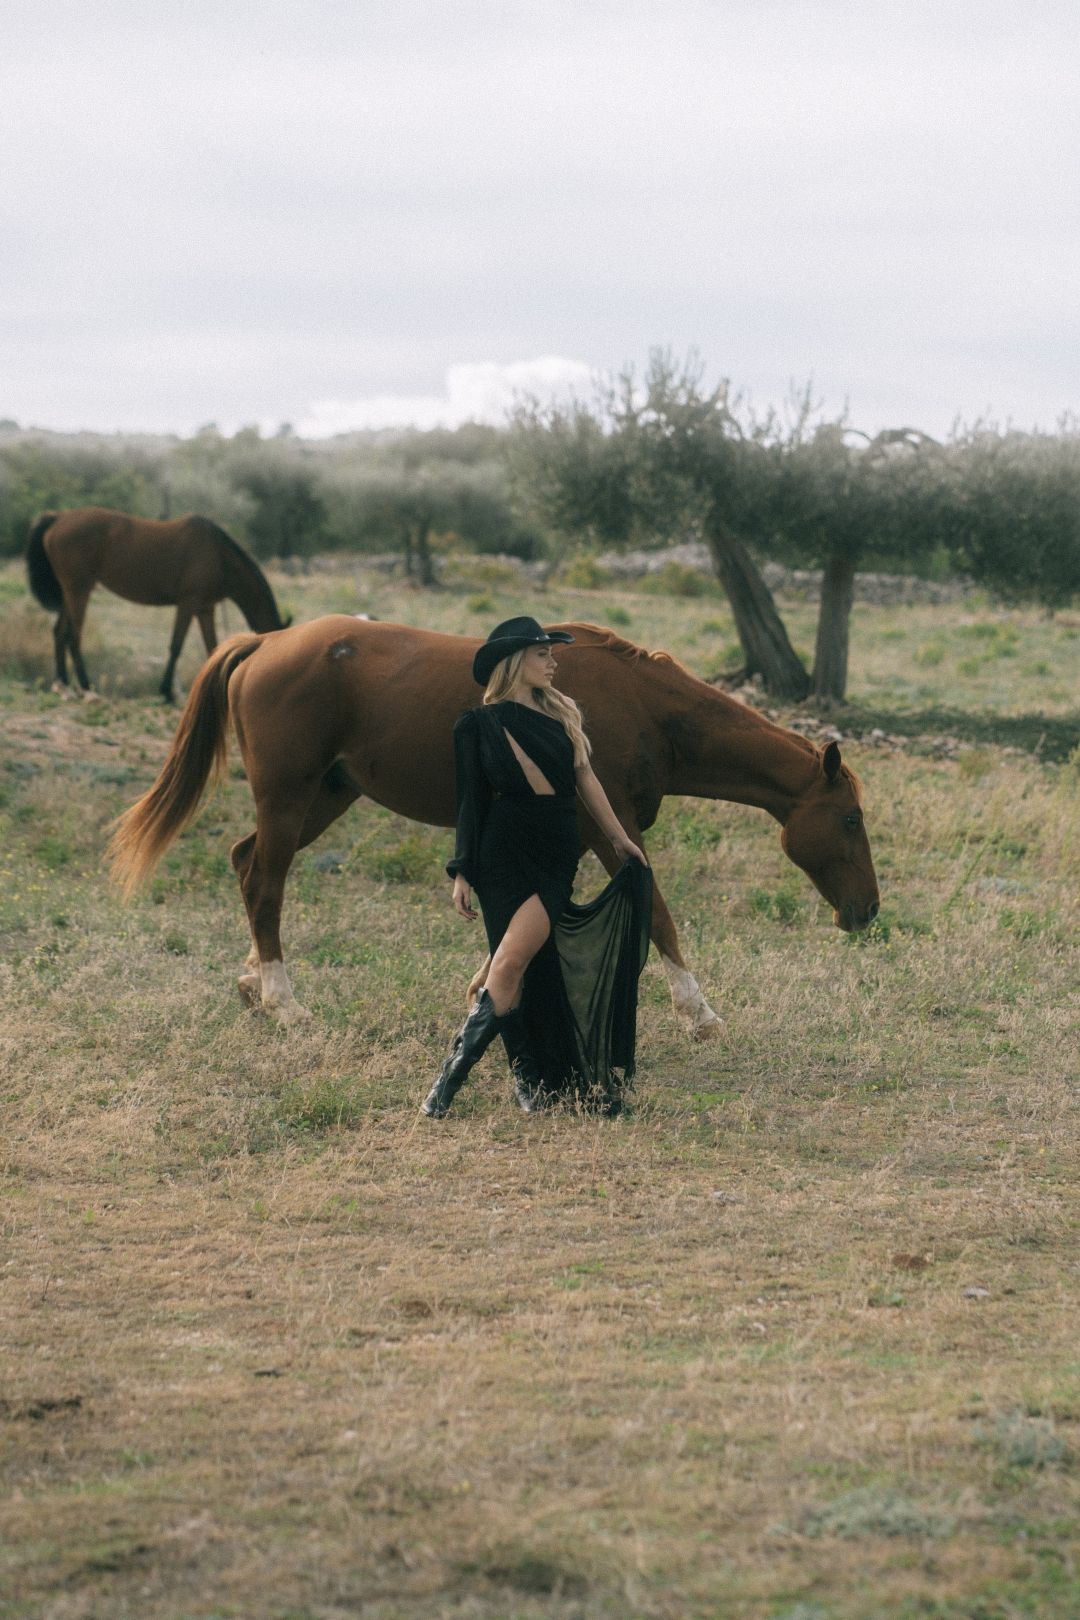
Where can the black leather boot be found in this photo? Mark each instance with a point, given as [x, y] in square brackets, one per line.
[470, 1043]
[530, 1092]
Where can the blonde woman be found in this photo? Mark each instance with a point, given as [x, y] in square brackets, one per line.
[561, 989]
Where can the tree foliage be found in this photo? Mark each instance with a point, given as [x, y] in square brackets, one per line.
[1009, 512]
[283, 496]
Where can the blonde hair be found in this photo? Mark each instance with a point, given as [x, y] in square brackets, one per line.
[504, 677]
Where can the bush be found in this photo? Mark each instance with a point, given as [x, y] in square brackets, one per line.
[582, 572]
[678, 579]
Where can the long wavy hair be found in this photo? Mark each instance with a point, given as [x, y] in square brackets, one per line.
[504, 677]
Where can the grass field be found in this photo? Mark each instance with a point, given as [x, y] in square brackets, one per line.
[795, 1339]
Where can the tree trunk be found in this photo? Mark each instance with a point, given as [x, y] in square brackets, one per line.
[407, 546]
[765, 643]
[424, 561]
[834, 627]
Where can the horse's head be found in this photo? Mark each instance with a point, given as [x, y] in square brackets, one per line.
[825, 835]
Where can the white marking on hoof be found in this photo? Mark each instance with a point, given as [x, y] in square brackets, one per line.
[688, 1001]
[90, 696]
[277, 995]
[249, 983]
[250, 988]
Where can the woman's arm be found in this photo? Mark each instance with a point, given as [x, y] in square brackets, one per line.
[473, 802]
[599, 807]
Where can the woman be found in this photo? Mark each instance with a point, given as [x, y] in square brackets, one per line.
[562, 986]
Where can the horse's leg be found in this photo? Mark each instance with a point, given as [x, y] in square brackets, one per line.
[687, 997]
[206, 625]
[76, 613]
[336, 792]
[261, 862]
[60, 637]
[249, 983]
[686, 994]
[176, 643]
[478, 981]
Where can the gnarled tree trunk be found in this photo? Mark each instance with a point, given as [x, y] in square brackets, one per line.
[765, 644]
[834, 628]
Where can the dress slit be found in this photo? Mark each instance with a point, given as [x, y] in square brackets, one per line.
[528, 898]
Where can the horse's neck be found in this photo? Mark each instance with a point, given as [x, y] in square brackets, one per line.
[724, 750]
[250, 591]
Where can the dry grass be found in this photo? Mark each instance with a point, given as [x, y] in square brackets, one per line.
[275, 1347]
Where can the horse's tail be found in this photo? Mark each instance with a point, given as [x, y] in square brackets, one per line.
[143, 834]
[43, 580]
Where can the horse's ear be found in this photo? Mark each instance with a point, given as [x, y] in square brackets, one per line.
[830, 759]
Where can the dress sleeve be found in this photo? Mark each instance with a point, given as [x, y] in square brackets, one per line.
[473, 799]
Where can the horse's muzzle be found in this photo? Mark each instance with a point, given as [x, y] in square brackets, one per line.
[853, 916]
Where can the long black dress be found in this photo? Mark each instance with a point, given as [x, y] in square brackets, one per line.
[579, 998]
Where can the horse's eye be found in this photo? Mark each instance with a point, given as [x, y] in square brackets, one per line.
[854, 820]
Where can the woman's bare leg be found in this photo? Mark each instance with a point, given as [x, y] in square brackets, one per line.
[528, 930]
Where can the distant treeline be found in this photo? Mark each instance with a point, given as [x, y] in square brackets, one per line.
[284, 497]
[648, 461]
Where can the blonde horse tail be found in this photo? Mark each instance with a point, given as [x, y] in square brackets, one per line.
[143, 834]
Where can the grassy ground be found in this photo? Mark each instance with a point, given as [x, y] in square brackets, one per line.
[796, 1339]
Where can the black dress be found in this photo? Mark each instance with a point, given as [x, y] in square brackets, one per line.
[579, 998]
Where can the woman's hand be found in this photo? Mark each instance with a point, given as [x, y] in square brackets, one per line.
[463, 899]
[627, 851]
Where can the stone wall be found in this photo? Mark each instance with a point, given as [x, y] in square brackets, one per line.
[883, 589]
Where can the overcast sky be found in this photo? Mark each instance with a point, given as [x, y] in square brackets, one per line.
[376, 211]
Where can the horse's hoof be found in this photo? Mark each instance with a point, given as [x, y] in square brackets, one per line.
[288, 1014]
[709, 1031]
[250, 988]
[88, 695]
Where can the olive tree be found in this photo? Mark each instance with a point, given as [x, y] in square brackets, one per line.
[658, 460]
[843, 499]
[1011, 512]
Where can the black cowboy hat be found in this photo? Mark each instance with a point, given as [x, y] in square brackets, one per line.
[510, 637]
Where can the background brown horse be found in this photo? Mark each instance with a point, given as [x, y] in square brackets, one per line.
[331, 710]
[186, 561]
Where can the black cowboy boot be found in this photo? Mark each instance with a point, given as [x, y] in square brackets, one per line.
[530, 1091]
[470, 1043]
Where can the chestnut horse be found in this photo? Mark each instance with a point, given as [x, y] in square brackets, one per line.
[335, 709]
[188, 561]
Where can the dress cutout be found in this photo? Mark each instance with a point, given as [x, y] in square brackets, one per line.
[529, 769]
[579, 997]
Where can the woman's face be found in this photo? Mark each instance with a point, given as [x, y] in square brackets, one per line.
[538, 667]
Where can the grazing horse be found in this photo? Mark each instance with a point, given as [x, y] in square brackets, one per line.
[188, 561]
[335, 709]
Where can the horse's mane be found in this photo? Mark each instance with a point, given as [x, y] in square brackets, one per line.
[247, 563]
[600, 636]
[234, 546]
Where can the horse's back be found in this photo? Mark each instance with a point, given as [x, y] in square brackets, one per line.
[383, 699]
[372, 668]
[151, 561]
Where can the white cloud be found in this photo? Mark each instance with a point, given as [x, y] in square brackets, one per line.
[483, 391]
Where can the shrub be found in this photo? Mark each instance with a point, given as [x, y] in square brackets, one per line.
[582, 572]
[678, 579]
